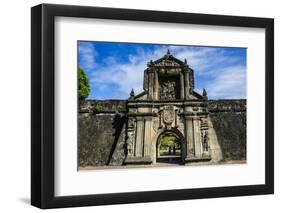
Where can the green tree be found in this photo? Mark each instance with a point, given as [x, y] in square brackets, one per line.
[167, 141]
[83, 85]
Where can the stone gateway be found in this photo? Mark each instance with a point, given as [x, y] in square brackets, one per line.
[168, 122]
[169, 105]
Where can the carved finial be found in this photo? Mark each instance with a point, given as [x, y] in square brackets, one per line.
[150, 63]
[132, 94]
[168, 54]
[185, 62]
[204, 94]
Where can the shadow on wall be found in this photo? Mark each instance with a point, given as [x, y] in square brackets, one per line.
[117, 124]
[98, 138]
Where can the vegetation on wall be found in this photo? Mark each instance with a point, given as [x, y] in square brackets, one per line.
[98, 107]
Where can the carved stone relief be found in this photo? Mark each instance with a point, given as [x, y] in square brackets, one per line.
[130, 142]
[204, 134]
[167, 63]
[168, 90]
[155, 124]
[206, 142]
[168, 115]
[131, 136]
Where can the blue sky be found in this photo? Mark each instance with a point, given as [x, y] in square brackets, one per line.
[115, 68]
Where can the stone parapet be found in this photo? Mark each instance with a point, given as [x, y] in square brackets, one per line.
[231, 105]
[102, 106]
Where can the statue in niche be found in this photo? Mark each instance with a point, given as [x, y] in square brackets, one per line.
[130, 143]
[131, 136]
[205, 142]
[131, 123]
[167, 90]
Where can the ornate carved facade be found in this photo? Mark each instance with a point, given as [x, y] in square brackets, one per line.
[168, 106]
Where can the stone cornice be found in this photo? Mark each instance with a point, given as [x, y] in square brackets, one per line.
[188, 114]
[142, 114]
[114, 106]
[193, 103]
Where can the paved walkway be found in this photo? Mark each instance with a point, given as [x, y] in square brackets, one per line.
[157, 165]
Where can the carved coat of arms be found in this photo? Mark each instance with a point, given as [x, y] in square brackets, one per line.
[168, 115]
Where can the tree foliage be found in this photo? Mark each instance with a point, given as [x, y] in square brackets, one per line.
[83, 85]
[167, 141]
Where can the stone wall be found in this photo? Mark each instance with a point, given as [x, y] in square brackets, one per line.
[102, 132]
[100, 140]
[229, 121]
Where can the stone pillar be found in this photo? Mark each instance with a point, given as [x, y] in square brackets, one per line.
[139, 138]
[189, 135]
[197, 141]
[150, 84]
[176, 118]
[155, 85]
[147, 136]
[202, 141]
[186, 84]
[182, 85]
[160, 119]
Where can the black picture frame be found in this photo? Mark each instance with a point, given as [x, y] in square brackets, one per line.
[43, 102]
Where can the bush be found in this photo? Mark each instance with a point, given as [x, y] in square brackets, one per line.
[98, 107]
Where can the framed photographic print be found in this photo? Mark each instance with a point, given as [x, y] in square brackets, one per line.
[139, 106]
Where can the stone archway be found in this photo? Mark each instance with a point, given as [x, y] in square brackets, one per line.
[171, 147]
[168, 105]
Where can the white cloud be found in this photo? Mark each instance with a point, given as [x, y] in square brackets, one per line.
[229, 83]
[203, 59]
[125, 75]
[222, 79]
[87, 56]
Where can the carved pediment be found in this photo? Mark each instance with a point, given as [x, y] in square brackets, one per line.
[167, 60]
[167, 63]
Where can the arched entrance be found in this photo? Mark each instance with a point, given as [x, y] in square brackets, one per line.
[170, 147]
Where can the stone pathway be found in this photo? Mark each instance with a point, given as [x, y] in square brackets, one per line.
[161, 165]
